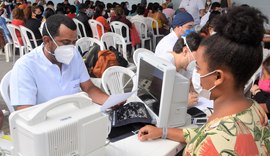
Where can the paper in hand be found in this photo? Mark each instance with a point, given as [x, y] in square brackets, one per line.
[115, 99]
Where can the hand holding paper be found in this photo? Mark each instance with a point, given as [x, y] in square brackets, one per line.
[115, 99]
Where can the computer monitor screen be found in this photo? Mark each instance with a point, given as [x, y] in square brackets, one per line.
[150, 86]
[163, 90]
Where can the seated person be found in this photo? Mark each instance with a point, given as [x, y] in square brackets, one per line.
[72, 11]
[82, 16]
[139, 16]
[120, 16]
[261, 91]
[160, 18]
[183, 57]
[3, 25]
[225, 62]
[33, 23]
[99, 17]
[53, 69]
[18, 19]
[182, 24]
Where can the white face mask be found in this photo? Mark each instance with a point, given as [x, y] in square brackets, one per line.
[196, 81]
[190, 68]
[64, 53]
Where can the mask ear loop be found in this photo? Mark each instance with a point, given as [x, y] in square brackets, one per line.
[50, 34]
[185, 41]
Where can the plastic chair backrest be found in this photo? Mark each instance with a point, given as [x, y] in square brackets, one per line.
[27, 41]
[141, 28]
[80, 28]
[94, 27]
[12, 29]
[4, 89]
[85, 43]
[136, 54]
[116, 78]
[113, 39]
[117, 26]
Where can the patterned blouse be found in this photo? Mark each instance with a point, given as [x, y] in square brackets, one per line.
[242, 134]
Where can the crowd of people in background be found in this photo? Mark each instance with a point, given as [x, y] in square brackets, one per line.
[33, 15]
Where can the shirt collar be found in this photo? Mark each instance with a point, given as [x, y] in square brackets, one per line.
[174, 34]
[40, 50]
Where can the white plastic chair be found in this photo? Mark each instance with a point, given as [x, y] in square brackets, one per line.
[86, 42]
[251, 81]
[116, 78]
[117, 26]
[80, 28]
[136, 54]
[8, 51]
[26, 40]
[129, 17]
[94, 24]
[117, 41]
[142, 30]
[16, 44]
[150, 21]
[4, 89]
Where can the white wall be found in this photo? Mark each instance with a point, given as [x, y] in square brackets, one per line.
[262, 5]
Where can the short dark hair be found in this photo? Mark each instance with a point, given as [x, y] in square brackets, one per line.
[236, 46]
[140, 10]
[179, 45]
[215, 5]
[48, 12]
[50, 3]
[53, 24]
[193, 40]
[72, 8]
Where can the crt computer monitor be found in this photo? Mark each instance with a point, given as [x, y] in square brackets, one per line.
[163, 90]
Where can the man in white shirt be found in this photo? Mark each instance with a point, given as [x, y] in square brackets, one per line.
[183, 57]
[139, 16]
[181, 24]
[183, 53]
[194, 7]
[53, 69]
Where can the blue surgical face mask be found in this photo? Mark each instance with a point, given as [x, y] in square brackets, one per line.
[188, 31]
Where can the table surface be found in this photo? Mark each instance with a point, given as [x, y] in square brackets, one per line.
[131, 146]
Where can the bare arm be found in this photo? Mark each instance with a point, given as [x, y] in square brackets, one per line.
[150, 132]
[266, 39]
[94, 92]
[263, 105]
[22, 107]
